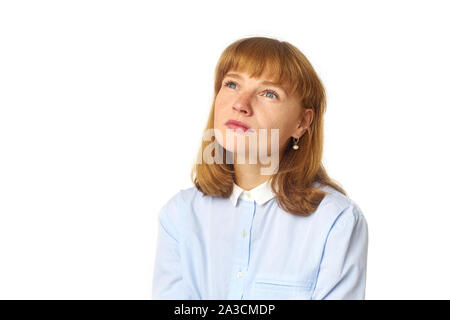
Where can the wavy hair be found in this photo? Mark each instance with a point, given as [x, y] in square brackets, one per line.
[298, 170]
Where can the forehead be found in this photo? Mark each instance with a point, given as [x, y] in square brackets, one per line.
[267, 76]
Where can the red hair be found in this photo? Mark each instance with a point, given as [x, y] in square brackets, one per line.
[299, 169]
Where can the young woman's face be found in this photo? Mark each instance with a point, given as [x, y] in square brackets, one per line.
[259, 105]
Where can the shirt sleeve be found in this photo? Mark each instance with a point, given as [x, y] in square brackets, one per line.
[342, 271]
[168, 281]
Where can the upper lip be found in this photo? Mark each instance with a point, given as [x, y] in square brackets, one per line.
[238, 123]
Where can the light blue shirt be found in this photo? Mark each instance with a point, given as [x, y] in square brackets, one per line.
[247, 247]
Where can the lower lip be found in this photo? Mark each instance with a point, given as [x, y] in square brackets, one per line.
[236, 127]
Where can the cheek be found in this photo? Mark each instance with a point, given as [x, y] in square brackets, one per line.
[277, 129]
[220, 102]
[217, 113]
[270, 122]
[220, 110]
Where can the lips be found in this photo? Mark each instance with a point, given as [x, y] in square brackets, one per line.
[235, 124]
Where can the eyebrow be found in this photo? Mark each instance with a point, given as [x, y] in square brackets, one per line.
[266, 82]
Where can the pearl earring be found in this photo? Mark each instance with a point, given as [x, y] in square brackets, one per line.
[295, 146]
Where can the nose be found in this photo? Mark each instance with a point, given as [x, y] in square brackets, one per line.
[242, 104]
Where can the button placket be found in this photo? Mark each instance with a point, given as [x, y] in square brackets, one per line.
[246, 212]
[245, 239]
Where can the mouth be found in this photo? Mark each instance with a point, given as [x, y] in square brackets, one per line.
[238, 125]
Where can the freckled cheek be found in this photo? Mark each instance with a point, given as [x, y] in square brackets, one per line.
[269, 122]
[275, 128]
[219, 115]
[220, 104]
[220, 110]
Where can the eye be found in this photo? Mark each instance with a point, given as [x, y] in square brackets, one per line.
[229, 82]
[273, 93]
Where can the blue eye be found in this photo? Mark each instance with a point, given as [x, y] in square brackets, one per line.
[273, 93]
[229, 82]
[266, 91]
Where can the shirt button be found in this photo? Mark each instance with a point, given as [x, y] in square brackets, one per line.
[243, 233]
[239, 274]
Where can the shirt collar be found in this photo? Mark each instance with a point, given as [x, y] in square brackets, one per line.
[261, 193]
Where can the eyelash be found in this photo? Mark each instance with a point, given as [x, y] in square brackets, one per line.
[267, 90]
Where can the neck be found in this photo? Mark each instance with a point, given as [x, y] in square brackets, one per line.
[248, 176]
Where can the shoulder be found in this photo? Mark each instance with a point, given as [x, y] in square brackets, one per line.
[182, 209]
[190, 195]
[337, 207]
[182, 197]
[180, 201]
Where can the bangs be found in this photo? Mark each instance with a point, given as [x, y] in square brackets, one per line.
[269, 60]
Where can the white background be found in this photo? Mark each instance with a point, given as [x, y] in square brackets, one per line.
[102, 104]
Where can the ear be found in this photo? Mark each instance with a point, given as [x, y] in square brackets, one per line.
[305, 122]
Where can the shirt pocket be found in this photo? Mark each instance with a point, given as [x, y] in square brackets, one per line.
[276, 289]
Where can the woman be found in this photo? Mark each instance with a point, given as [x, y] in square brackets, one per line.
[255, 229]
